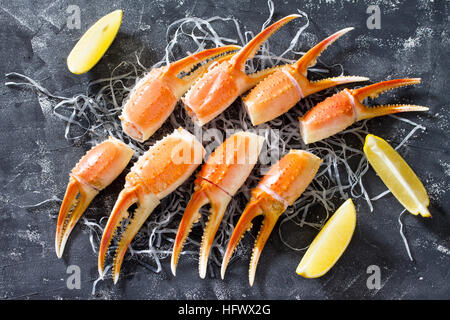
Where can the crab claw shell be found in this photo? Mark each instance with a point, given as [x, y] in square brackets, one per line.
[154, 97]
[217, 182]
[282, 89]
[341, 110]
[222, 84]
[158, 172]
[279, 188]
[94, 172]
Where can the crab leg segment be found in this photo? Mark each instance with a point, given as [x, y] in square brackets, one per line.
[225, 82]
[341, 110]
[154, 97]
[159, 171]
[219, 179]
[279, 188]
[94, 172]
[282, 89]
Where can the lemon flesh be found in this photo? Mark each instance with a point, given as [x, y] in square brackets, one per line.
[397, 175]
[94, 43]
[330, 243]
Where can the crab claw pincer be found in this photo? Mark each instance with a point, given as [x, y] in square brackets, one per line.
[279, 188]
[223, 83]
[154, 97]
[159, 171]
[95, 171]
[341, 110]
[219, 179]
[282, 89]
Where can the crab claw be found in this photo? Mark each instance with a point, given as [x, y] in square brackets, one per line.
[219, 179]
[341, 110]
[94, 172]
[159, 171]
[154, 97]
[222, 84]
[279, 188]
[282, 89]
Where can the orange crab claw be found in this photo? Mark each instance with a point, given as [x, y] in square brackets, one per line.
[154, 97]
[341, 110]
[222, 84]
[94, 172]
[159, 171]
[279, 188]
[219, 179]
[282, 89]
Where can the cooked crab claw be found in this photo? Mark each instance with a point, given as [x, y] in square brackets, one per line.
[159, 171]
[341, 110]
[223, 83]
[154, 97]
[94, 172]
[219, 179]
[282, 89]
[279, 188]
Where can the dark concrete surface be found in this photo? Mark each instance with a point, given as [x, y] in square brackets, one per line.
[35, 159]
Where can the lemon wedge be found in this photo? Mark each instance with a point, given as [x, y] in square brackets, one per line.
[94, 43]
[330, 243]
[397, 175]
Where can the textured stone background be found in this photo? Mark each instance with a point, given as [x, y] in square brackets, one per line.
[35, 159]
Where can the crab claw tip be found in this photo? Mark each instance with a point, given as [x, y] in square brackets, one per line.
[76, 200]
[128, 197]
[116, 278]
[219, 204]
[100, 272]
